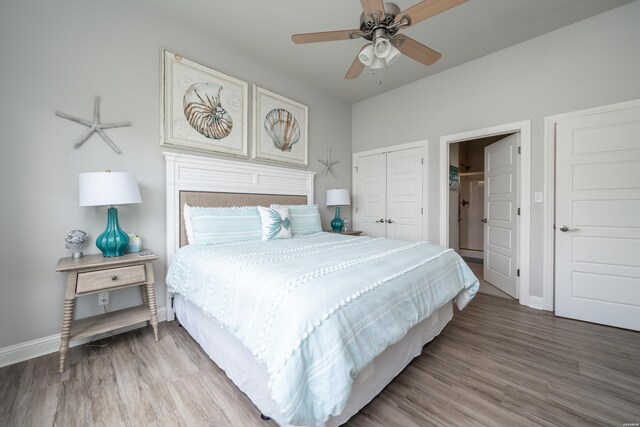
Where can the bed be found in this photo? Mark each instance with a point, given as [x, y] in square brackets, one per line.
[299, 325]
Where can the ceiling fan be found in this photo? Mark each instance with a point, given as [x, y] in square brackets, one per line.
[380, 23]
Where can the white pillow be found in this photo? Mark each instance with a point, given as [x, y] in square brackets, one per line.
[188, 226]
[276, 223]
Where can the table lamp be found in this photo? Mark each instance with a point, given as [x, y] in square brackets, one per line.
[338, 197]
[109, 189]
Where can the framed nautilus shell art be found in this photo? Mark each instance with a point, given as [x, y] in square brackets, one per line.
[280, 128]
[202, 109]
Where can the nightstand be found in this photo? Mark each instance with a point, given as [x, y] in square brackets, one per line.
[351, 233]
[95, 273]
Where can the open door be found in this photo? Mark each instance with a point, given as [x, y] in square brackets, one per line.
[500, 214]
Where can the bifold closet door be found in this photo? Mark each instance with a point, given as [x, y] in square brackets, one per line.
[370, 194]
[404, 194]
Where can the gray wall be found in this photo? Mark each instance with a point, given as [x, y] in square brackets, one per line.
[58, 56]
[591, 63]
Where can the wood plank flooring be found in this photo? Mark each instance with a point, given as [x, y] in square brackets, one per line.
[496, 363]
[486, 287]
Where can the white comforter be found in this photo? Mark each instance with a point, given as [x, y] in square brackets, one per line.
[317, 309]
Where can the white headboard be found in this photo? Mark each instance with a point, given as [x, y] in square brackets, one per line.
[194, 173]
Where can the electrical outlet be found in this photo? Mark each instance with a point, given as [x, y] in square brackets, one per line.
[103, 298]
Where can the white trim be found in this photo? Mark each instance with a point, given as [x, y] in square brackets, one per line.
[51, 344]
[548, 237]
[471, 253]
[405, 146]
[194, 173]
[424, 145]
[524, 229]
[537, 302]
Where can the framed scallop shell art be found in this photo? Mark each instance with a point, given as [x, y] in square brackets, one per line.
[280, 128]
[202, 109]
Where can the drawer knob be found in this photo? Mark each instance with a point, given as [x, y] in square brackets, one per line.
[114, 278]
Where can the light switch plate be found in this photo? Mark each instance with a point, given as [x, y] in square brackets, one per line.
[538, 197]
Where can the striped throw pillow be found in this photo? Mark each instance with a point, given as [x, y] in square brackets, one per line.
[209, 226]
[305, 219]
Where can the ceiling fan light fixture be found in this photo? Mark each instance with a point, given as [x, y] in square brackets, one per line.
[378, 63]
[367, 55]
[381, 47]
[393, 55]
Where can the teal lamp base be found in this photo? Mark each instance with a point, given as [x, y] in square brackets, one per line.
[337, 222]
[113, 241]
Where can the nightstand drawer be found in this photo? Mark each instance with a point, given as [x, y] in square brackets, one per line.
[113, 278]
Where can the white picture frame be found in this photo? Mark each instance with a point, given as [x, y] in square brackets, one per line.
[202, 109]
[280, 128]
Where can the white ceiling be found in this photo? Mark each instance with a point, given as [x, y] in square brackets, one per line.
[262, 28]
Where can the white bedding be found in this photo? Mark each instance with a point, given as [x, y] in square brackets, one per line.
[314, 311]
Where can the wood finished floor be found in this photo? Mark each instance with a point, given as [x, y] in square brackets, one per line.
[496, 363]
[486, 287]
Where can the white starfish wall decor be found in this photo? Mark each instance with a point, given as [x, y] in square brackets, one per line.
[328, 164]
[95, 126]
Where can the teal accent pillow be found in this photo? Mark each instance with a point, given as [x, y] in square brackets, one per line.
[305, 219]
[209, 226]
[275, 223]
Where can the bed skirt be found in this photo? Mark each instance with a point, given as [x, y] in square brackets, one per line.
[251, 377]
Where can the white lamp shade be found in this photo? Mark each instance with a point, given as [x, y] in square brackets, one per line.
[381, 47]
[377, 63]
[108, 188]
[366, 55]
[338, 197]
[392, 56]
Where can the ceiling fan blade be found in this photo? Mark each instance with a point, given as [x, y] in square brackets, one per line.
[356, 68]
[373, 7]
[426, 9]
[326, 36]
[415, 50]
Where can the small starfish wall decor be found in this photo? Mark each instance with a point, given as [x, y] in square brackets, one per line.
[95, 126]
[328, 165]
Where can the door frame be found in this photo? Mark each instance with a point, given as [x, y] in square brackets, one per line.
[524, 171]
[424, 145]
[548, 236]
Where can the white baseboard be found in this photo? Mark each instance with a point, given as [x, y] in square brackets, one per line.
[471, 253]
[51, 344]
[536, 302]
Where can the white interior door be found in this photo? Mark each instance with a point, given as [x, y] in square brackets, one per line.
[597, 261]
[370, 195]
[500, 208]
[404, 194]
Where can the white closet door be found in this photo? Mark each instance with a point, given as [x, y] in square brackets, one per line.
[598, 218]
[370, 194]
[404, 194]
[501, 204]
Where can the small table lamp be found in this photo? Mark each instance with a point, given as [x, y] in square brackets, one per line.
[109, 189]
[338, 197]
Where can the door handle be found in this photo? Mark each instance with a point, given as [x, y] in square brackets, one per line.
[484, 220]
[565, 229]
[389, 221]
[380, 220]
